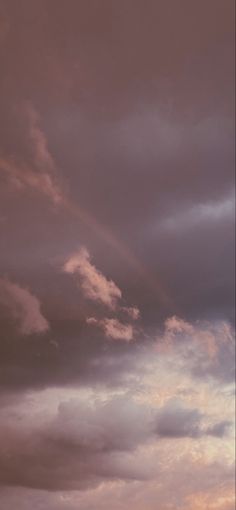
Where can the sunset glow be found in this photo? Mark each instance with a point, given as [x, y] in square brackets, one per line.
[117, 216]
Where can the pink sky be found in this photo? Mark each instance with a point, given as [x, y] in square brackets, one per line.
[117, 255]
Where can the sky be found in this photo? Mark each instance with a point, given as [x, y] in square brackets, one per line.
[117, 255]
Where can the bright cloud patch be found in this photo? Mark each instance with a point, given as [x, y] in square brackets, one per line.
[201, 213]
[93, 283]
[113, 328]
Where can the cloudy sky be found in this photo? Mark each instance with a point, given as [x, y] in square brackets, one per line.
[116, 257]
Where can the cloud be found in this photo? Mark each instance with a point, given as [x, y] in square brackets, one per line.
[219, 429]
[94, 284]
[38, 174]
[98, 288]
[77, 443]
[42, 156]
[175, 421]
[22, 177]
[115, 424]
[80, 444]
[23, 307]
[207, 348]
[217, 493]
[174, 325]
[113, 328]
[178, 422]
[200, 214]
[132, 311]
[144, 139]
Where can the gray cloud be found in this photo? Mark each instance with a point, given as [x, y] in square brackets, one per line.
[78, 448]
[219, 429]
[87, 441]
[178, 422]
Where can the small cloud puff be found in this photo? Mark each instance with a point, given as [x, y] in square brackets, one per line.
[132, 311]
[113, 328]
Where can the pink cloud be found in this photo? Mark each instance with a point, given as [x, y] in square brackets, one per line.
[209, 339]
[114, 329]
[23, 178]
[23, 307]
[40, 175]
[175, 325]
[132, 311]
[93, 283]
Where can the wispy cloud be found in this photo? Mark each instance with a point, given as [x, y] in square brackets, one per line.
[23, 307]
[209, 339]
[42, 156]
[198, 214]
[94, 284]
[204, 347]
[114, 329]
[40, 174]
[22, 177]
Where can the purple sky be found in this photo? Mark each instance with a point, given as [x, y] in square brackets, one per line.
[117, 254]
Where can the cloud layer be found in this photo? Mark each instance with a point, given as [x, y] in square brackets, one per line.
[117, 303]
[81, 443]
